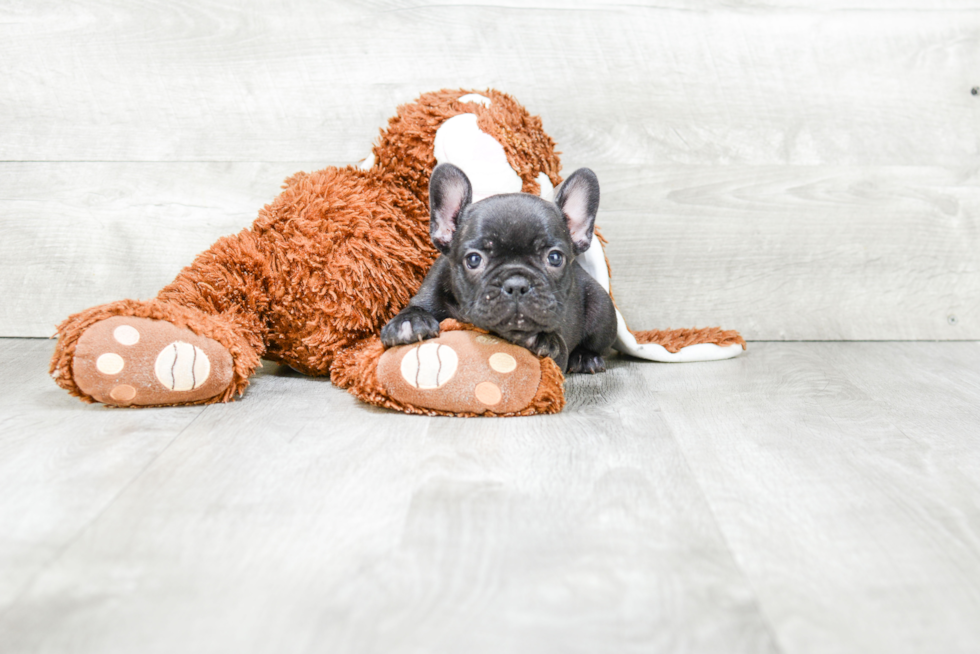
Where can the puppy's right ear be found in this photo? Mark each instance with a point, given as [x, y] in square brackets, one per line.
[578, 199]
[449, 193]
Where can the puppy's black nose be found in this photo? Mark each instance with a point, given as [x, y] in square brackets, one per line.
[516, 286]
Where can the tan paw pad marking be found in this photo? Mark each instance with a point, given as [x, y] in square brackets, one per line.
[126, 335]
[182, 367]
[488, 393]
[110, 363]
[123, 393]
[503, 362]
[487, 340]
[429, 365]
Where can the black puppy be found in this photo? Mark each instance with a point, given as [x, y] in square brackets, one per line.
[508, 266]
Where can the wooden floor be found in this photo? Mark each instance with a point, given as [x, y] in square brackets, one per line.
[808, 497]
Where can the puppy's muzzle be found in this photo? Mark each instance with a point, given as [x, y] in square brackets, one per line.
[518, 303]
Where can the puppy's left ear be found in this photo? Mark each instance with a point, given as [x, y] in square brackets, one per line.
[449, 193]
[578, 199]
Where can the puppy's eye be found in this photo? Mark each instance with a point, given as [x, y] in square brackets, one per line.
[555, 258]
[473, 260]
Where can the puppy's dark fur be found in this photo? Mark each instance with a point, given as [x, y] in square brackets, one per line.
[508, 266]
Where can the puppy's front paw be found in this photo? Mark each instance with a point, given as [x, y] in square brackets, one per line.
[587, 362]
[411, 325]
[549, 344]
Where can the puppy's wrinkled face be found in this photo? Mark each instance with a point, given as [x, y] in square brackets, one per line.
[511, 255]
[511, 260]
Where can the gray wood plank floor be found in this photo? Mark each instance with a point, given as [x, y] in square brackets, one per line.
[807, 497]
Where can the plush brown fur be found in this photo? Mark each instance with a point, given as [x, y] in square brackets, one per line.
[674, 339]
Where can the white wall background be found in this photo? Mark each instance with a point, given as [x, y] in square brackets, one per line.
[795, 169]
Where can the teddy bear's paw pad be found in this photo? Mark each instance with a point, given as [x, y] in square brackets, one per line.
[461, 372]
[138, 361]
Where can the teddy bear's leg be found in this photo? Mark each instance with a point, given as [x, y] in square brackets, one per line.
[196, 343]
[462, 372]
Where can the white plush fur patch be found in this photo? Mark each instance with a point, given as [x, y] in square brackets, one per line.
[475, 97]
[461, 142]
[594, 262]
[547, 188]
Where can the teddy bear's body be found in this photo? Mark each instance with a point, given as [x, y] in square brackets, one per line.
[325, 265]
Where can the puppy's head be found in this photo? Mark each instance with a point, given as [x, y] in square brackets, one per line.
[511, 255]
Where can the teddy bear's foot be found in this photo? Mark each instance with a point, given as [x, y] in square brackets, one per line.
[129, 361]
[462, 372]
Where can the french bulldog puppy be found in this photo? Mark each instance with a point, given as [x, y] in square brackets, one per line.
[507, 265]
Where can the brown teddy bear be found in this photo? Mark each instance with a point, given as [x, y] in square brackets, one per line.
[335, 256]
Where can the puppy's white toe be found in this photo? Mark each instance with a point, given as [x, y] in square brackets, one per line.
[405, 331]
